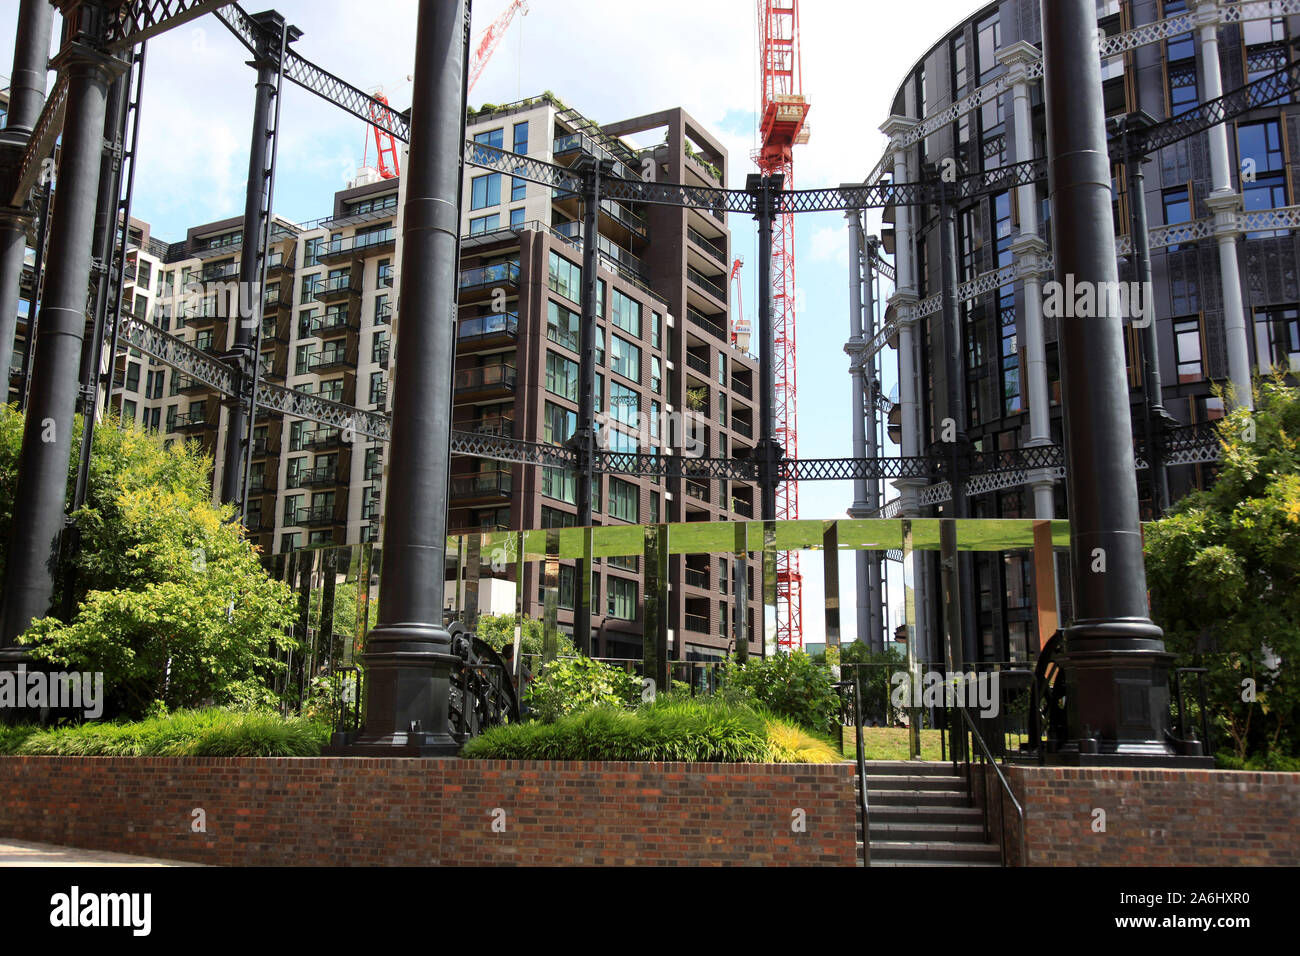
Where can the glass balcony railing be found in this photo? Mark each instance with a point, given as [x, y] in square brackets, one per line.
[483, 277]
[485, 377]
[486, 484]
[488, 326]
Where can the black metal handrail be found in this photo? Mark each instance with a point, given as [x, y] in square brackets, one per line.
[987, 757]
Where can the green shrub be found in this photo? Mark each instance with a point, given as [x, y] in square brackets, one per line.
[790, 686]
[572, 684]
[212, 732]
[667, 730]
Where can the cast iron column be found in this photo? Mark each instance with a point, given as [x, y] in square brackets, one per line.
[26, 98]
[1154, 416]
[584, 438]
[1115, 665]
[47, 433]
[408, 656]
[250, 255]
[765, 190]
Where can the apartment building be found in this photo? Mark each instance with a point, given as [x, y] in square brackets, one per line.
[1001, 237]
[669, 378]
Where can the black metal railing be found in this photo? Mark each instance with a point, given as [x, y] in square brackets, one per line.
[987, 762]
[707, 283]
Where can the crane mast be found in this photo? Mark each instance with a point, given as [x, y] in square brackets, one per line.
[782, 127]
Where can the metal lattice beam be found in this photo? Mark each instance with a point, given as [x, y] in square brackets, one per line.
[40, 146]
[138, 20]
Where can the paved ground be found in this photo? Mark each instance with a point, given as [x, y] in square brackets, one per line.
[20, 853]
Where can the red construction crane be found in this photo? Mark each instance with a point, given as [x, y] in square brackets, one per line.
[488, 41]
[782, 128]
[740, 329]
[490, 38]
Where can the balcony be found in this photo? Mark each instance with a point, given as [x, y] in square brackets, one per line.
[381, 354]
[321, 516]
[185, 385]
[709, 284]
[358, 247]
[274, 330]
[278, 298]
[742, 388]
[379, 394]
[478, 282]
[697, 578]
[384, 314]
[702, 321]
[338, 289]
[743, 508]
[497, 426]
[710, 246]
[697, 490]
[698, 363]
[221, 273]
[697, 623]
[495, 328]
[329, 360]
[192, 423]
[266, 446]
[742, 428]
[321, 439]
[318, 477]
[484, 486]
[486, 381]
[335, 322]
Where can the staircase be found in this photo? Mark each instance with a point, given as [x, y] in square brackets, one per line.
[920, 814]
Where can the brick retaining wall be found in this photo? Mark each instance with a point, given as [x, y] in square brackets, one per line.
[1152, 817]
[344, 811]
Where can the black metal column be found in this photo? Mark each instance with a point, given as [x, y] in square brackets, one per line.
[26, 99]
[584, 439]
[958, 447]
[92, 351]
[766, 190]
[1155, 417]
[47, 435]
[1115, 665]
[408, 655]
[252, 253]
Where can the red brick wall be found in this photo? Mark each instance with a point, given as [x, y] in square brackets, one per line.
[1152, 817]
[341, 811]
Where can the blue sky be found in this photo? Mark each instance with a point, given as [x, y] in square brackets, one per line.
[610, 61]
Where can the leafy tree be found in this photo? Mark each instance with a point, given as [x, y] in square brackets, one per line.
[1224, 573]
[572, 684]
[790, 686]
[498, 631]
[172, 602]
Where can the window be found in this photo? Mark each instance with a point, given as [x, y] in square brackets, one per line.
[1277, 339]
[520, 144]
[555, 518]
[154, 384]
[301, 360]
[485, 191]
[600, 392]
[493, 138]
[312, 249]
[1263, 161]
[1187, 350]
[1177, 208]
[560, 484]
[600, 346]
[624, 501]
[654, 507]
[385, 274]
[516, 217]
[561, 376]
[566, 278]
[625, 312]
[656, 320]
[565, 585]
[624, 404]
[622, 599]
[562, 326]
[291, 505]
[128, 411]
[373, 204]
[307, 293]
[656, 375]
[988, 34]
[518, 190]
[485, 224]
[289, 542]
[558, 423]
[625, 358]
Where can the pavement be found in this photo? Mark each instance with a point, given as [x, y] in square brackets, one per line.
[22, 853]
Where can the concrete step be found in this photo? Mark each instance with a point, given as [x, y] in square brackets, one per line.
[926, 832]
[898, 781]
[888, 813]
[929, 768]
[916, 798]
[931, 851]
